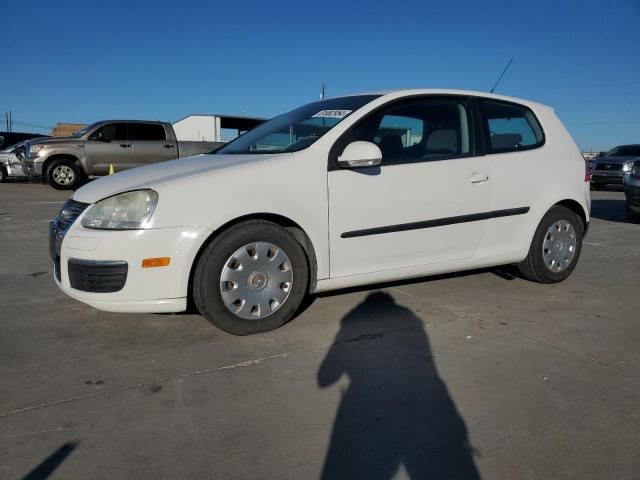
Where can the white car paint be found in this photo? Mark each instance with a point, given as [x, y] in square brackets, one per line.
[198, 196]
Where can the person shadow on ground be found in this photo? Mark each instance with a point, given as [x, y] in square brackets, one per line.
[396, 410]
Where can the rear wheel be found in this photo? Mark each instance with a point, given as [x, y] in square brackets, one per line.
[555, 248]
[251, 279]
[63, 174]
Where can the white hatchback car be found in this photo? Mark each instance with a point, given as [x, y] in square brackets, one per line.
[341, 192]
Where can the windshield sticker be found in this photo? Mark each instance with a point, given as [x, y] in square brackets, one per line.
[332, 113]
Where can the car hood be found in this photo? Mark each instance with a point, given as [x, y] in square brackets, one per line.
[53, 141]
[152, 176]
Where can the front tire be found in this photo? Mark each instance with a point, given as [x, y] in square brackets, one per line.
[3, 175]
[632, 216]
[555, 248]
[63, 174]
[251, 279]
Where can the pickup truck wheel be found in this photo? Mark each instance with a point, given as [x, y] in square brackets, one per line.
[3, 175]
[251, 279]
[63, 174]
[555, 247]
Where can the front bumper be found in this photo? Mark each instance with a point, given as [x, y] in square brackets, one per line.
[32, 166]
[14, 170]
[611, 178]
[151, 290]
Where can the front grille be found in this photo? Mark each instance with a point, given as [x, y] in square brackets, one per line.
[70, 211]
[97, 276]
[610, 167]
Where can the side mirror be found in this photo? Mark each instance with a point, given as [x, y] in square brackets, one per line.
[360, 154]
[97, 136]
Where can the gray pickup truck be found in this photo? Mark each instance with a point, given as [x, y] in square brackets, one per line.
[110, 145]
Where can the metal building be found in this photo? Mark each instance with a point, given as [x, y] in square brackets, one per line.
[214, 127]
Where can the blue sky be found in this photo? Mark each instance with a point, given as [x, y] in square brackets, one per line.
[66, 61]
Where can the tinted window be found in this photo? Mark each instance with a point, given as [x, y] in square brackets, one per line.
[111, 131]
[146, 131]
[418, 130]
[510, 127]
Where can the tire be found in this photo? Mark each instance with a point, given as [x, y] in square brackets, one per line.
[3, 175]
[536, 266]
[632, 216]
[251, 282]
[63, 174]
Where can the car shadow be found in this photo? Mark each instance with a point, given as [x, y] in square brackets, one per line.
[396, 412]
[612, 210]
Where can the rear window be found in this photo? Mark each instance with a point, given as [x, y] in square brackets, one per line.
[510, 127]
[146, 131]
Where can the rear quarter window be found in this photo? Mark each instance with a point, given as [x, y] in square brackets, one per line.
[510, 127]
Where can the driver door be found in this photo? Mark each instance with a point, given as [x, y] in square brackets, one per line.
[108, 145]
[420, 205]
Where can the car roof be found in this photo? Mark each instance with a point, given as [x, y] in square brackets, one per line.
[445, 91]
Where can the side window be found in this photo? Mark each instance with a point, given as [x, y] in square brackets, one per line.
[146, 131]
[510, 127]
[110, 132]
[418, 130]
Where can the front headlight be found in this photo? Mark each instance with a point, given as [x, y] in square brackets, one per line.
[34, 149]
[627, 166]
[635, 169]
[126, 211]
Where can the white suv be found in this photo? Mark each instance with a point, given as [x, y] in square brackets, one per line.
[342, 192]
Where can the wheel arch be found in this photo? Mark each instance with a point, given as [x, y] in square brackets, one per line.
[576, 208]
[293, 227]
[61, 156]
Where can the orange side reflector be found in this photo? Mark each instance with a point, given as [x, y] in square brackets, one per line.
[156, 262]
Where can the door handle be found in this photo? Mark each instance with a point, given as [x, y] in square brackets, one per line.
[477, 177]
[125, 145]
[169, 145]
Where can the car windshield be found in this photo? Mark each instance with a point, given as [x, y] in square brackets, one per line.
[80, 133]
[625, 151]
[297, 129]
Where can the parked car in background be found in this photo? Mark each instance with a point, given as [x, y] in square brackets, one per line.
[65, 162]
[11, 162]
[632, 193]
[341, 192]
[8, 139]
[613, 167]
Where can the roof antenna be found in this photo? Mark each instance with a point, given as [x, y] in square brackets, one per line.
[501, 75]
[322, 92]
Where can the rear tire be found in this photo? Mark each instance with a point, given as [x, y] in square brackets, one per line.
[229, 268]
[63, 174]
[550, 259]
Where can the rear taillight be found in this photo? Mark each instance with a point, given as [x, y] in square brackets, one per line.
[587, 172]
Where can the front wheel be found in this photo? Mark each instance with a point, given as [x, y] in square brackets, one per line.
[63, 174]
[3, 175]
[251, 279]
[555, 247]
[632, 215]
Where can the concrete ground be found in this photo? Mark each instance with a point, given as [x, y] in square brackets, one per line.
[466, 376]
